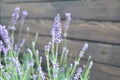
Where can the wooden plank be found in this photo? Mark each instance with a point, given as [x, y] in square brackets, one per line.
[106, 57]
[103, 72]
[95, 10]
[17, 1]
[103, 32]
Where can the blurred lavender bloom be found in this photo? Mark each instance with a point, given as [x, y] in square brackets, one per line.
[29, 64]
[4, 35]
[56, 30]
[13, 28]
[76, 62]
[47, 47]
[91, 64]
[15, 15]
[41, 73]
[24, 14]
[1, 45]
[22, 42]
[71, 66]
[85, 47]
[35, 76]
[6, 75]
[68, 19]
[77, 75]
[30, 51]
[55, 69]
[5, 50]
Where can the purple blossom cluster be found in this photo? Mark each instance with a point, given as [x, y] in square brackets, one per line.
[68, 19]
[15, 15]
[4, 35]
[55, 69]
[56, 30]
[82, 52]
[4, 40]
[77, 75]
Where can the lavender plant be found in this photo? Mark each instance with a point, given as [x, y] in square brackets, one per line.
[12, 67]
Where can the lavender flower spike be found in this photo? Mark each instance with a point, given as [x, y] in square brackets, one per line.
[15, 15]
[4, 35]
[24, 14]
[68, 19]
[56, 30]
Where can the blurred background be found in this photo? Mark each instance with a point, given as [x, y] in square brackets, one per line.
[94, 21]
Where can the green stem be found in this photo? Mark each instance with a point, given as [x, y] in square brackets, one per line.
[20, 31]
[53, 55]
[73, 70]
[48, 63]
[56, 51]
[61, 58]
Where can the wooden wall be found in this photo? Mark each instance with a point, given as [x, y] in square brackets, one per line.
[94, 21]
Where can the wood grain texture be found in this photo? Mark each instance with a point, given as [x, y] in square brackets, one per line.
[17, 1]
[99, 32]
[89, 10]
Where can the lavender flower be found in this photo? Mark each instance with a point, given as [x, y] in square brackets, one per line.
[56, 30]
[22, 42]
[55, 69]
[47, 47]
[77, 75]
[13, 28]
[15, 15]
[68, 19]
[35, 76]
[24, 14]
[85, 47]
[4, 35]
[91, 64]
[5, 50]
[41, 73]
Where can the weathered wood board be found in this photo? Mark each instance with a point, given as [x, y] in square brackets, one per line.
[101, 32]
[89, 10]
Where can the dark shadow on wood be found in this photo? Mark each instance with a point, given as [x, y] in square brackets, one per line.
[51, 18]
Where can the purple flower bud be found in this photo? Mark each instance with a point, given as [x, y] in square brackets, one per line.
[91, 64]
[56, 30]
[55, 69]
[15, 15]
[24, 14]
[68, 19]
[13, 28]
[77, 75]
[85, 47]
[22, 42]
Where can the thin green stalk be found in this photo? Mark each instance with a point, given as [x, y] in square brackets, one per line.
[20, 31]
[61, 58]
[56, 51]
[74, 68]
[53, 55]
[27, 34]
